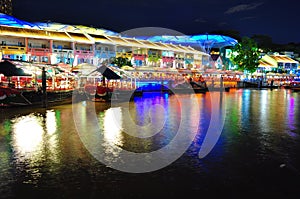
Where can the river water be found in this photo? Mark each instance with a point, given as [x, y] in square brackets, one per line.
[80, 150]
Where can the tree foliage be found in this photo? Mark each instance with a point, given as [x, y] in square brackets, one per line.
[245, 55]
[121, 61]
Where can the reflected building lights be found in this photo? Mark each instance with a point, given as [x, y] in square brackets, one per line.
[263, 111]
[51, 122]
[51, 140]
[112, 125]
[27, 135]
[34, 140]
[291, 116]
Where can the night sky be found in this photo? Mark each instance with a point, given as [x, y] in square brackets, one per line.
[277, 19]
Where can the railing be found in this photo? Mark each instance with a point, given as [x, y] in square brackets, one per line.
[104, 54]
[39, 51]
[167, 59]
[62, 47]
[84, 52]
[62, 50]
[13, 50]
[139, 56]
[120, 54]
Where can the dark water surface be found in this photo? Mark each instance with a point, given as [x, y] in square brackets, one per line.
[42, 154]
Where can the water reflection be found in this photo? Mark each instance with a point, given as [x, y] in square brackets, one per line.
[139, 131]
[112, 132]
[27, 136]
[42, 151]
[34, 133]
[34, 140]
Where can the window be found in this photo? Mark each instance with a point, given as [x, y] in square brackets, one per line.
[287, 65]
[45, 59]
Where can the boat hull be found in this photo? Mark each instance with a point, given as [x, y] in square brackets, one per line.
[14, 97]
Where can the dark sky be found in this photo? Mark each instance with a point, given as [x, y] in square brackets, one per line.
[276, 18]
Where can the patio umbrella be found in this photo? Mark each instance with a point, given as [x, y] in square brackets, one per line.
[127, 68]
[107, 72]
[9, 69]
[84, 68]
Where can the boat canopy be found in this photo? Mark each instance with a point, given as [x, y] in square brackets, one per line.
[9, 69]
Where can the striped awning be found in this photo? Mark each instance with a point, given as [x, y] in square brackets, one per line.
[283, 59]
[264, 64]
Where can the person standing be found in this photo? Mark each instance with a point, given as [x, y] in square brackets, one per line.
[221, 81]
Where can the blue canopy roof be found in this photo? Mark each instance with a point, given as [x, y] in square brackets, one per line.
[204, 41]
[73, 28]
[7, 20]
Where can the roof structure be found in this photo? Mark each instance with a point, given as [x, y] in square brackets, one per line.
[80, 37]
[49, 30]
[34, 33]
[7, 20]
[9, 69]
[263, 63]
[273, 60]
[204, 42]
[135, 42]
[74, 28]
[283, 59]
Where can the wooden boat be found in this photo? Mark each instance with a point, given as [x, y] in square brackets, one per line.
[11, 97]
[31, 89]
[105, 94]
[97, 93]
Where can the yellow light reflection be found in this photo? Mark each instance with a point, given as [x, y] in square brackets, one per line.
[113, 139]
[264, 106]
[51, 140]
[27, 135]
[51, 122]
[112, 126]
[35, 142]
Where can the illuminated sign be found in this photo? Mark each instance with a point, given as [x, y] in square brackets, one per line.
[228, 53]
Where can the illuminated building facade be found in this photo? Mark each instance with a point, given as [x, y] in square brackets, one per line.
[6, 7]
[55, 43]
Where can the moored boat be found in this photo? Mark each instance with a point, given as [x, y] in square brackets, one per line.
[10, 97]
[41, 85]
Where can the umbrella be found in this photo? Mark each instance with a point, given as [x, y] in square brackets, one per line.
[107, 72]
[127, 68]
[84, 68]
[9, 69]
